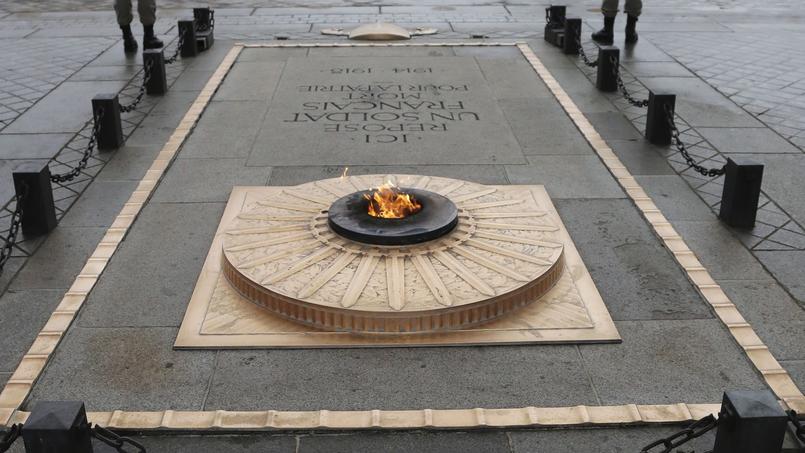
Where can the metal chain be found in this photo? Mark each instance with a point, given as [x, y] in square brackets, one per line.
[146, 77]
[204, 27]
[13, 230]
[799, 428]
[179, 45]
[583, 55]
[697, 429]
[622, 87]
[115, 441]
[8, 440]
[82, 164]
[680, 146]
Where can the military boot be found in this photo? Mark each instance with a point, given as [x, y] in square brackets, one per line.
[631, 29]
[150, 41]
[606, 35]
[129, 43]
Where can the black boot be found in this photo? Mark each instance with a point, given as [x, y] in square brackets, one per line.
[606, 34]
[631, 29]
[129, 43]
[150, 41]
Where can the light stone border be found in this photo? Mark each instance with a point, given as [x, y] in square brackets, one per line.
[34, 361]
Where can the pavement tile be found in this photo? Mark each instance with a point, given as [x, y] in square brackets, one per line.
[788, 267]
[25, 312]
[641, 157]
[135, 369]
[666, 362]
[484, 174]
[250, 81]
[783, 182]
[207, 180]
[675, 198]
[747, 140]
[129, 163]
[796, 369]
[99, 205]
[95, 73]
[720, 251]
[512, 78]
[636, 276]
[156, 267]
[540, 131]
[656, 69]
[31, 146]
[225, 130]
[613, 127]
[490, 441]
[591, 179]
[361, 379]
[608, 440]
[217, 443]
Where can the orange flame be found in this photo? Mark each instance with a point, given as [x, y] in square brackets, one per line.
[388, 202]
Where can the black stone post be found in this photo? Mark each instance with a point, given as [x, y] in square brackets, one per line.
[555, 22]
[572, 36]
[110, 132]
[158, 83]
[609, 58]
[189, 44]
[739, 200]
[57, 427]
[205, 21]
[750, 422]
[658, 131]
[32, 180]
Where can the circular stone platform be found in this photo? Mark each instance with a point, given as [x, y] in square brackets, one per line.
[505, 252]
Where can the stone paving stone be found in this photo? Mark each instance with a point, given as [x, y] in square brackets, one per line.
[360, 379]
[261, 55]
[217, 443]
[24, 314]
[788, 267]
[129, 163]
[747, 140]
[783, 182]
[641, 157]
[99, 204]
[486, 27]
[540, 130]
[104, 73]
[590, 178]
[115, 56]
[479, 11]
[59, 259]
[608, 440]
[4, 377]
[443, 442]
[191, 80]
[207, 180]
[775, 316]
[156, 267]
[10, 270]
[31, 146]
[65, 109]
[225, 130]
[720, 251]
[250, 81]
[796, 369]
[657, 69]
[700, 105]
[613, 127]
[668, 362]
[379, 52]
[675, 198]
[135, 369]
[315, 9]
[484, 174]
[211, 59]
[512, 79]
[150, 136]
[645, 51]
[636, 276]
[489, 53]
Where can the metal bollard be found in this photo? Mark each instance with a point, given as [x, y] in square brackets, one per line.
[658, 132]
[555, 23]
[110, 130]
[187, 28]
[57, 427]
[739, 199]
[608, 66]
[32, 181]
[571, 36]
[750, 422]
[205, 23]
[158, 82]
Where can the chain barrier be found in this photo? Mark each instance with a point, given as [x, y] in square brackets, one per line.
[680, 146]
[82, 164]
[115, 441]
[622, 87]
[799, 428]
[204, 27]
[697, 429]
[13, 230]
[146, 77]
[178, 49]
[583, 55]
[8, 440]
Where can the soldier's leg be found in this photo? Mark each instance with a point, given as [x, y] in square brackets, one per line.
[632, 8]
[607, 34]
[124, 18]
[148, 15]
[610, 7]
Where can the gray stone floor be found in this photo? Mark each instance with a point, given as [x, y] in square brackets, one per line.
[741, 93]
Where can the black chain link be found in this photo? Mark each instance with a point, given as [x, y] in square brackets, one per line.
[583, 55]
[146, 77]
[680, 146]
[8, 440]
[204, 27]
[697, 429]
[178, 49]
[16, 221]
[622, 87]
[115, 441]
[82, 164]
[799, 428]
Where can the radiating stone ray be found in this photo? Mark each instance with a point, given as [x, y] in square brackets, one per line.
[517, 239]
[268, 229]
[507, 215]
[510, 253]
[278, 218]
[465, 274]
[472, 196]
[431, 277]
[288, 206]
[451, 188]
[320, 280]
[486, 262]
[422, 183]
[391, 179]
[268, 242]
[362, 275]
[336, 191]
[300, 265]
[358, 183]
[395, 281]
[514, 226]
[310, 197]
[491, 204]
[301, 247]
